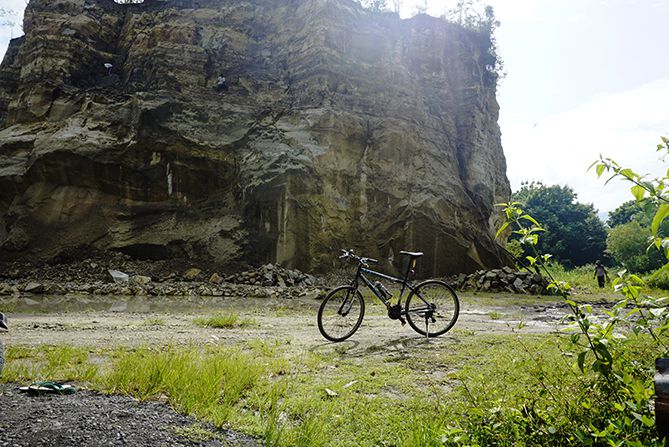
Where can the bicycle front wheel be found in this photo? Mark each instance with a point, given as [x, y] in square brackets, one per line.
[340, 314]
[432, 308]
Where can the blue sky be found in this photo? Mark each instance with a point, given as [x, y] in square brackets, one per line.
[584, 77]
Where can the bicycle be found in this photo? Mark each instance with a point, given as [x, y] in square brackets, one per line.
[343, 308]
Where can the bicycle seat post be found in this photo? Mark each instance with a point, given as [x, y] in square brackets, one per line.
[412, 261]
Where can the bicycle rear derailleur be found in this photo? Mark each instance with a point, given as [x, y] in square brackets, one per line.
[395, 313]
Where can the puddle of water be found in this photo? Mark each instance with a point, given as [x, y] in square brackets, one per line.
[143, 304]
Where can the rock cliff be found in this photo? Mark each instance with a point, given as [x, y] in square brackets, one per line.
[340, 128]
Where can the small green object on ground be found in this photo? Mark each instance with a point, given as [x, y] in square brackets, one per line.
[47, 387]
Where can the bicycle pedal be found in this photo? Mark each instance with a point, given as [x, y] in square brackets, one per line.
[403, 321]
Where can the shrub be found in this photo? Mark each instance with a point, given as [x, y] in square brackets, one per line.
[223, 320]
[628, 245]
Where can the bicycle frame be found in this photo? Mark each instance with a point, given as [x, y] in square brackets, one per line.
[360, 274]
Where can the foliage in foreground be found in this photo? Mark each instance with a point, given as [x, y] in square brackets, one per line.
[631, 229]
[605, 356]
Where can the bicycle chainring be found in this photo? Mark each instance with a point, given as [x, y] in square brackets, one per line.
[395, 312]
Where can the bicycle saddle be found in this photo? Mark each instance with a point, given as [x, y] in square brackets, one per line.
[416, 254]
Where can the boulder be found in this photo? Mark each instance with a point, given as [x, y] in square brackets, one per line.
[215, 278]
[192, 273]
[34, 287]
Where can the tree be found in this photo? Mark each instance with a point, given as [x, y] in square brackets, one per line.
[628, 244]
[374, 5]
[573, 234]
[397, 5]
[472, 15]
[623, 214]
[420, 8]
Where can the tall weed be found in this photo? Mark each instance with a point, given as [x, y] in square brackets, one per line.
[207, 384]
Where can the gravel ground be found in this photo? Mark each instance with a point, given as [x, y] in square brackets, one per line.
[90, 419]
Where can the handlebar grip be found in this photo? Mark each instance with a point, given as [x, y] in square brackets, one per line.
[371, 260]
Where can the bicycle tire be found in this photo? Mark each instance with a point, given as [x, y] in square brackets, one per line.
[433, 303]
[331, 318]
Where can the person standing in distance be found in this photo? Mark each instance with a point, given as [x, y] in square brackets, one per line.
[601, 274]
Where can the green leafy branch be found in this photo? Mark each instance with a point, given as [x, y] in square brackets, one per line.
[528, 230]
[656, 189]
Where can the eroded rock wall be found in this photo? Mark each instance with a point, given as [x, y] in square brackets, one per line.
[341, 128]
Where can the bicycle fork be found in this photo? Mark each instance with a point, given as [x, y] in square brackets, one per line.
[346, 305]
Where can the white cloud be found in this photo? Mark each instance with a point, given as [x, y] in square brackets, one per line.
[558, 149]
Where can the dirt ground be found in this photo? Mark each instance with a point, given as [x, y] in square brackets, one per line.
[89, 419]
[136, 321]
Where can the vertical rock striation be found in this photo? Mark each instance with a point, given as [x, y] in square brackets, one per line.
[341, 128]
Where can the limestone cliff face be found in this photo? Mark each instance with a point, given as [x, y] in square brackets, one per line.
[341, 128]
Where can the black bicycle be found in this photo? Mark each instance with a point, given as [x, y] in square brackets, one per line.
[431, 308]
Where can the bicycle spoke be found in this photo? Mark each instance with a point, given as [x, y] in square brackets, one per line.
[432, 309]
[341, 313]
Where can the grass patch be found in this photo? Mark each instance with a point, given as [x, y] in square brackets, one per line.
[224, 320]
[154, 322]
[206, 384]
[473, 389]
[197, 433]
[61, 363]
[7, 308]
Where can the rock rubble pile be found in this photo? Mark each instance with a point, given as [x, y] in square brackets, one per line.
[106, 277]
[503, 280]
[173, 288]
[272, 275]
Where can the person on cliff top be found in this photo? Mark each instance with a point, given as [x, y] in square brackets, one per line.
[221, 84]
[600, 274]
[109, 67]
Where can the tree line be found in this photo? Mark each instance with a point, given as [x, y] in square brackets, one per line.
[575, 235]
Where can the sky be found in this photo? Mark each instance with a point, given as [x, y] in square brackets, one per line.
[583, 78]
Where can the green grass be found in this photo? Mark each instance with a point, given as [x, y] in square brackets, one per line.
[585, 285]
[62, 363]
[224, 320]
[465, 389]
[197, 433]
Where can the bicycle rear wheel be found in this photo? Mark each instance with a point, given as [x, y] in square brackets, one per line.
[340, 314]
[432, 308]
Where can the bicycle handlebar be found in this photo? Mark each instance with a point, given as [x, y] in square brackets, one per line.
[348, 254]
